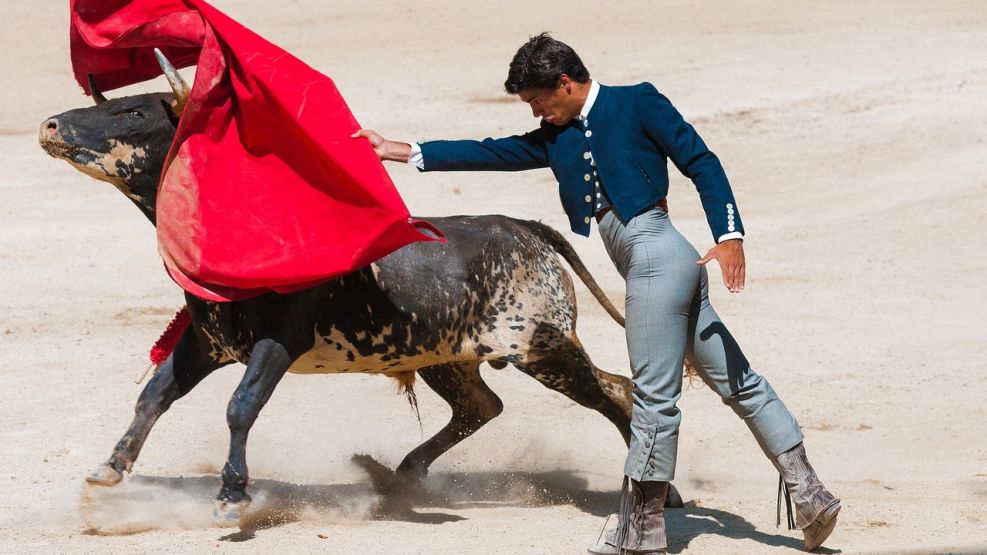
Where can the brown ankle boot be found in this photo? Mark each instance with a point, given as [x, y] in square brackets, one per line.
[815, 507]
[641, 528]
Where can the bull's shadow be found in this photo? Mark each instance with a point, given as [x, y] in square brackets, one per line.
[143, 503]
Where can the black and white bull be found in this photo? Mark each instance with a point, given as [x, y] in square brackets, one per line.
[496, 293]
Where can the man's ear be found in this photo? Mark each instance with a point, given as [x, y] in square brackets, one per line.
[566, 83]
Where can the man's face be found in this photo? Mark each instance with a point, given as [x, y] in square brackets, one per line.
[556, 105]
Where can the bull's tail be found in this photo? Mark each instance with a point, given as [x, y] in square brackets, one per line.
[561, 246]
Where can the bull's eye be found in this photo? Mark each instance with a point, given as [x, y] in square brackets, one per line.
[136, 113]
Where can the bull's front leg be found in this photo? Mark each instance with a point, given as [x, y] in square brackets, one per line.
[185, 368]
[269, 361]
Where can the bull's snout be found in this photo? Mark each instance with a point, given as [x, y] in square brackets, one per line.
[49, 130]
[51, 140]
[50, 126]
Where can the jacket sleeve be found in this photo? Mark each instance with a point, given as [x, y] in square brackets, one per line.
[678, 140]
[515, 153]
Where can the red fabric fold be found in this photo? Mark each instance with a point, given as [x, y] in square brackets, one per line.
[264, 190]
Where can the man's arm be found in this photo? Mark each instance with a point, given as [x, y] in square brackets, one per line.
[519, 152]
[385, 150]
[679, 141]
[515, 153]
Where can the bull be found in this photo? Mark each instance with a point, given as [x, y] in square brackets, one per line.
[496, 292]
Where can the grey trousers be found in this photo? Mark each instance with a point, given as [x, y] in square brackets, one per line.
[669, 318]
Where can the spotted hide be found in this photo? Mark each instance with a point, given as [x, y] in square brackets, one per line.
[497, 292]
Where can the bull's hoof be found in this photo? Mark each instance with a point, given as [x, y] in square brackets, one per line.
[230, 512]
[396, 503]
[104, 475]
[403, 484]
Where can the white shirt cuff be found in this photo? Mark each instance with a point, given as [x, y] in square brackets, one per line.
[415, 158]
[726, 237]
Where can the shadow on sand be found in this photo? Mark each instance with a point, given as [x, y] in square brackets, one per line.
[692, 522]
[144, 503]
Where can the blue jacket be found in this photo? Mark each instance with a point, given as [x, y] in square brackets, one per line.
[632, 132]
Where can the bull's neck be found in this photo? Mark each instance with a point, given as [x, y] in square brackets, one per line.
[144, 194]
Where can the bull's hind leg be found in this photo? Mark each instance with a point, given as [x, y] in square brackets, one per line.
[185, 368]
[562, 365]
[473, 404]
[269, 361]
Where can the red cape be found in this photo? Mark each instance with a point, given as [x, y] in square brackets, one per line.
[264, 190]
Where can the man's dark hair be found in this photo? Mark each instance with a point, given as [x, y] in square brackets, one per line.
[540, 62]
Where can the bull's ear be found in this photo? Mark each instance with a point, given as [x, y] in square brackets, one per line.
[170, 109]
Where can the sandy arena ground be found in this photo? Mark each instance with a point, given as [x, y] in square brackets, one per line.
[855, 136]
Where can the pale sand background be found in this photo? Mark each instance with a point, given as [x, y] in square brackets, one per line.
[854, 134]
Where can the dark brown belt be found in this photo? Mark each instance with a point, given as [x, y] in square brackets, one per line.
[663, 204]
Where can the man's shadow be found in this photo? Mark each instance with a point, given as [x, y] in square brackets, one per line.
[690, 523]
[145, 503]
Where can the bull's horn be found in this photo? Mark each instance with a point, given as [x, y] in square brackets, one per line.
[178, 84]
[97, 95]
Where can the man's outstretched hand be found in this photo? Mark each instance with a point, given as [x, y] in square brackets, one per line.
[384, 149]
[730, 255]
